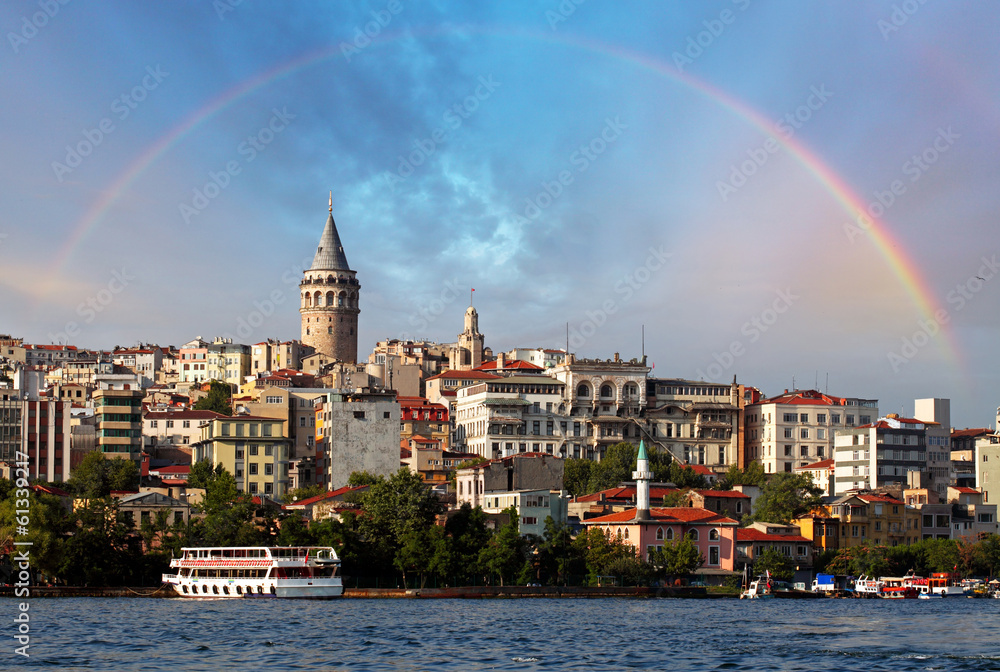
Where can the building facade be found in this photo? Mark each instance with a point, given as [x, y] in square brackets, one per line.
[253, 449]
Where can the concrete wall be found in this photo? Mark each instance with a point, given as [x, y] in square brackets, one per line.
[367, 444]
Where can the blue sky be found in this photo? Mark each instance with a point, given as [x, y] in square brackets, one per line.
[569, 161]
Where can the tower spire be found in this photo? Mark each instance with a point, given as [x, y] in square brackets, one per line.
[642, 477]
[331, 201]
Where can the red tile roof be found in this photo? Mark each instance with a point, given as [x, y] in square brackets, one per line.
[805, 397]
[962, 433]
[50, 490]
[327, 495]
[822, 464]
[753, 534]
[965, 491]
[625, 494]
[174, 469]
[886, 499]
[678, 514]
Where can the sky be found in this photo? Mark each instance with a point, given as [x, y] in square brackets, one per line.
[795, 194]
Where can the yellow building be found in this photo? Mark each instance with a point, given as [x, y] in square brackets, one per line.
[253, 449]
[875, 519]
[823, 529]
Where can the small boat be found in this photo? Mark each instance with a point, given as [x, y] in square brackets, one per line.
[866, 586]
[759, 589]
[245, 572]
[898, 588]
[945, 584]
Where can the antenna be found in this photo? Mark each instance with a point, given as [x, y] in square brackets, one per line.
[644, 342]
[816, 381]
[567, 345]
[827, 390]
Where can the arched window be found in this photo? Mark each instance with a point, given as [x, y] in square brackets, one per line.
[670, 533]
[329, 330]
[606, 391]
[713, 534]
[329, 298]
[692, 535]
[659, 534]
[619, 533]
[583, 391]
[340, 300]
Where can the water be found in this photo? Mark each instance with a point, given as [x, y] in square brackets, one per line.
[507, 634]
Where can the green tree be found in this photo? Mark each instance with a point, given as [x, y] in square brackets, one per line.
[785, 496]
[779, 566]
[202, 474]
[618, 463]
[97, 476]
[503, 554]
[678, 558]
[576, 476]
[602, 554]
[218, 399]
[230, 515]
[358, 478]
[678, 498]
[417, 550]
[558, 557]
[863, 560]
[752, 475]
[294, 531]
[393, 507]
[685, 477]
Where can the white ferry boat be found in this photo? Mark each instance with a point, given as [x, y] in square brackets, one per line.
[277, 571]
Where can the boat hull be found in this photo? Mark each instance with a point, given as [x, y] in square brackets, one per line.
[279, 588]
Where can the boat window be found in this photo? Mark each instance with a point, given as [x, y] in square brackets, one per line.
[204, 588]
[225, 589]
[239, 590]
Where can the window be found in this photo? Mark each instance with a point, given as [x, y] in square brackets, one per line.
[790, 417]
[268, 450]
[266, 430]
[713, 534]
[302, 421]
[152, 424]
[803, 433]
[804, 417]
[788, 451]
[670, 533]
[804, 451]
[788, 433]
[800, 551]
[386, 415]
[252, 469]
[821, 433]
[253, 449]
[359, 415]
[692, 535]
[268, 488]
[835, 418]
[713, 555]
[821, 418]
[529, 520]
[659, 534]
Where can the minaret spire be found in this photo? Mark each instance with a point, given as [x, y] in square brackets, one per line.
[642, 477]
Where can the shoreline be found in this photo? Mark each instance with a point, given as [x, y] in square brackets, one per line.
[470, 592]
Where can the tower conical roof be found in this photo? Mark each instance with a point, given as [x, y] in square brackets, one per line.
[642, 451]
[330, 253]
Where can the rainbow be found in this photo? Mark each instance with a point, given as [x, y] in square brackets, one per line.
[888, 245]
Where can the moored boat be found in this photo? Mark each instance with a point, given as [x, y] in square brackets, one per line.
[868, 587]
[760, 588]
[275, 571]
[945, 584]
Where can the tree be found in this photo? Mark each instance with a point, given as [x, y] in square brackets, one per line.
[503, 553]
[786, 496]
[469, 535]
[678, 498]
[417, 552]
[779, 566]
[576, 476]
[218, 399]
[678, 558]
[752, 475]
[685, 477]
[558, 557]
[861, 560]
[97, 476]
[394, 507]
[294, 531]
[618, 463]
[358, 478]
[202, 474]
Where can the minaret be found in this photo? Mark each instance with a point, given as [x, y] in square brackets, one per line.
[642, 478]
[329, 299]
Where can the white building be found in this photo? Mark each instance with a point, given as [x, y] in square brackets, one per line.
[879, 454]
[797, 428]
[533, 507]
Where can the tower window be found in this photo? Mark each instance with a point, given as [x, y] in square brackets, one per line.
[329, 330]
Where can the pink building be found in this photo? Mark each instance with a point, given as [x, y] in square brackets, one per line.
[714, 534]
